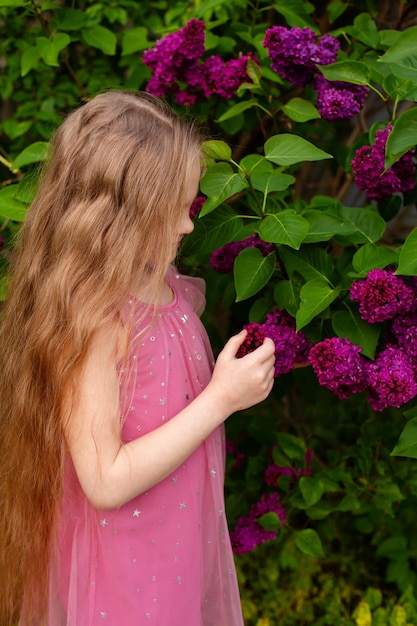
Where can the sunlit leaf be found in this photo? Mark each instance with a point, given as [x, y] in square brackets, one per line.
[287, 149]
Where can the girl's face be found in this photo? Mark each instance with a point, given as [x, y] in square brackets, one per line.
[186, 225]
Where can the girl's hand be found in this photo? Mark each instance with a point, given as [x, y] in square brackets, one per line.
[240, 383]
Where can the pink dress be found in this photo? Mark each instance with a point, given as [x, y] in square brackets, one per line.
[164, 558]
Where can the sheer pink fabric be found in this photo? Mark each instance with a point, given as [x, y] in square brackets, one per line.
[165, 557]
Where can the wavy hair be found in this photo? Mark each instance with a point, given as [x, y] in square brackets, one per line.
[104, 222]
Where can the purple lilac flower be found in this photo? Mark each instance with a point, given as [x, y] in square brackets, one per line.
[253, 339]
[404, 329]
[225, 77]
[222, 260]
[248, 533]
[390, 379]
[382, 296]
[233, 450]
[295, 51]
[175, 60]
[196, 206]
[368, 169]
[338, 100]
[1, 241]
[339, 366]
[173, 55]
[290, 346]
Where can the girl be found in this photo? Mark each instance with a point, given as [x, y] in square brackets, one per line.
[111, 416]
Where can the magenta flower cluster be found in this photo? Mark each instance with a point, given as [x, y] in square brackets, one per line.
[222, 259]
[290, 346]
[369, 170]
[248, 533]
[176, 60]
[295, 51]
[382, 296]
[390, 379]
[337, 100]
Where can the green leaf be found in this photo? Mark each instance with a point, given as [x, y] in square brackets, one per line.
[34, 153]
[309, 542]
[13, 3]
[315, 297]
[287, 149]
[286, 295]
[213, 231]
[237, 109]
[366, 224]
[101, 38]
[134, 40]
[311, 262]
[403, 47]
[219, 183]
[49, 49]
[323, 225]
[295, 13]
[407, 263]
[347, 71]
[294, 447]
[10, 207]
[216, 149]
[407, 443]
[71, 19]
[30, 60]
[365, 30]
[370, 256]
[402, 137]
[269, 521]
[268, 182]
[349, 324]
[251, 272]
[285, 227]
[300, 110]
[311, 489]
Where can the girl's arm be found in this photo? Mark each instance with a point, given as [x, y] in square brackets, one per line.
[112, 473]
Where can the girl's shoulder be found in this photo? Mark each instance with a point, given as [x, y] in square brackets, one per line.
[191, 288]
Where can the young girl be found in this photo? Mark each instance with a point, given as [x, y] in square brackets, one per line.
[111, 431]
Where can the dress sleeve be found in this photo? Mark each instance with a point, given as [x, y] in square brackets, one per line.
[192, 288]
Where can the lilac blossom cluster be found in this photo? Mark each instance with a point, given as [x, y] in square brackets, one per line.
[222, 259]
[290, 346]
[248, 533]
[337, 100]
[382, 296]
[273, 472]
[175, 60]
[391, 378]
[370, 174]
[295, 51]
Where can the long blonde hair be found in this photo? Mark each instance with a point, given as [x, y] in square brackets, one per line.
[108, 208]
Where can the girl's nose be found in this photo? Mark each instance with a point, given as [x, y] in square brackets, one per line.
[187, 225]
